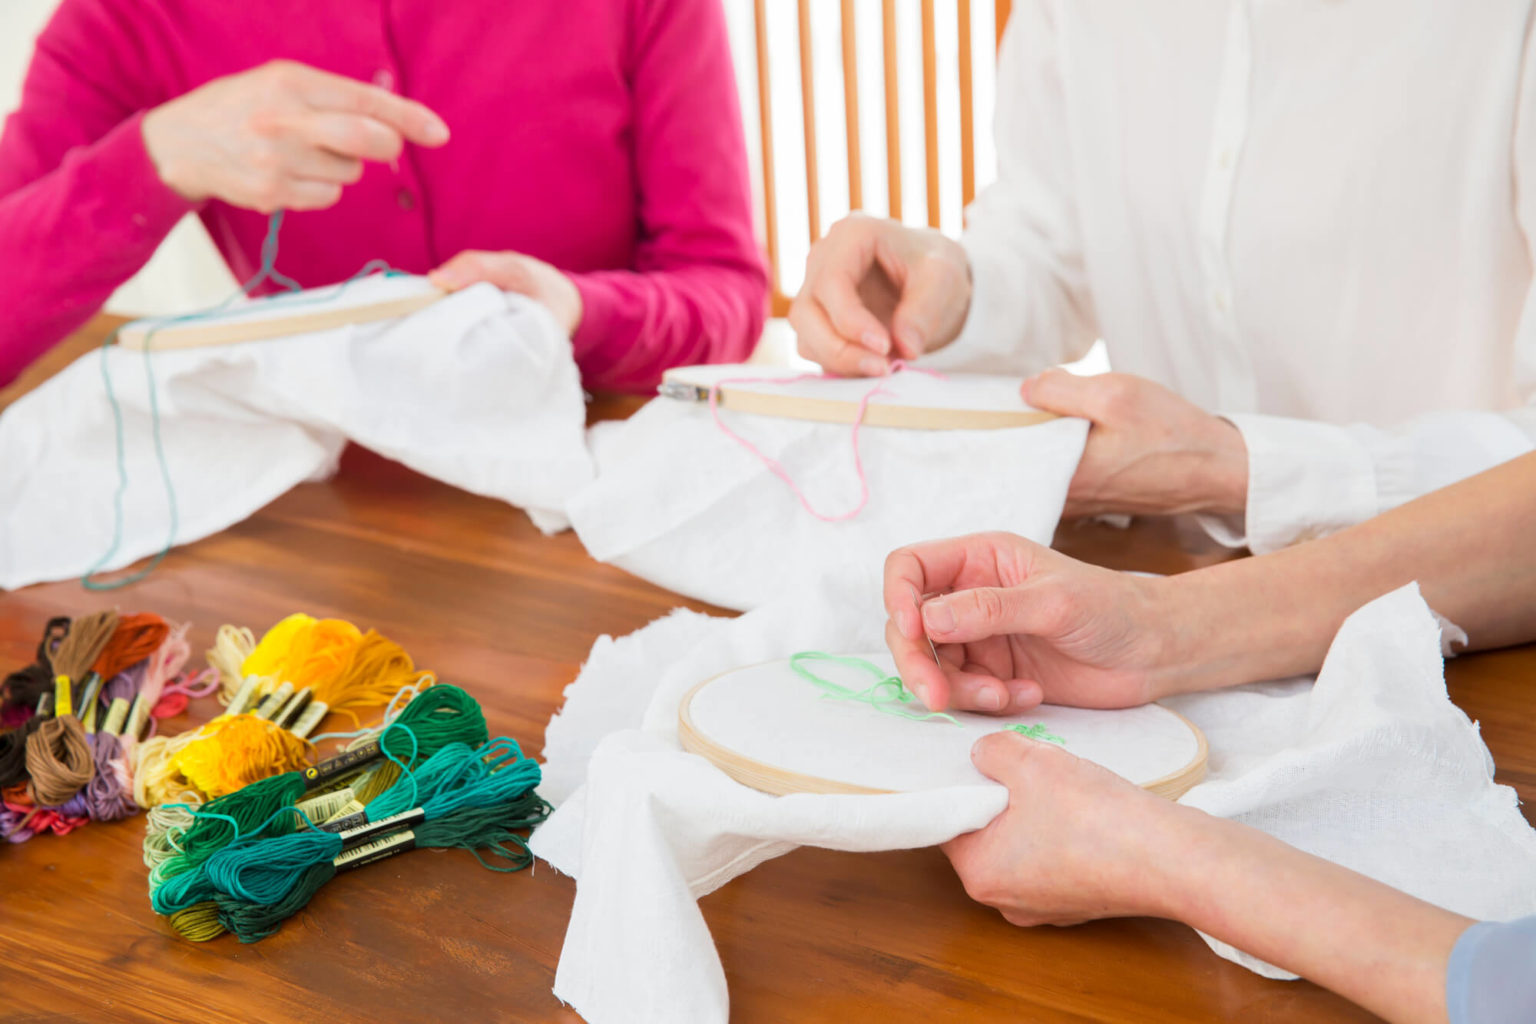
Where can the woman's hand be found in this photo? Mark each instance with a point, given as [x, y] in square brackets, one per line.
[1149, 451]
[876, 290]
[514, 272]
[1016, 623]
[281, 136]
[1076, 843]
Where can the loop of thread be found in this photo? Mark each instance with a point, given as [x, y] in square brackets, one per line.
[887, 694]
[777, 468]
[267, 273]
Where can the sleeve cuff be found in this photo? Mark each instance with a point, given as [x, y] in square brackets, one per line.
[154, 208]
[1305, 480]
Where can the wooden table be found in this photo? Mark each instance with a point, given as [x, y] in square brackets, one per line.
[478, 595]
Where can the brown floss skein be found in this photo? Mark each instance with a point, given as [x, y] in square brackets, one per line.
[58, 756]
[59, 760]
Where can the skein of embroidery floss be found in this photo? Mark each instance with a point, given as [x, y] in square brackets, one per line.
[435, 719]
[22, 689]
[479, 798]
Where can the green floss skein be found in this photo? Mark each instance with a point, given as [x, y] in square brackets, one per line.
[438, 716]
[262, 870]
[473, 828]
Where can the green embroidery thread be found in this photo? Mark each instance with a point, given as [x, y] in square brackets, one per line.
[887, 694]
[1035, 732]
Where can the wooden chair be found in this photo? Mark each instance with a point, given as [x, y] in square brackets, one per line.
[892, 101]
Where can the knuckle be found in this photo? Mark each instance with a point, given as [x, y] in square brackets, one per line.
[989, 605]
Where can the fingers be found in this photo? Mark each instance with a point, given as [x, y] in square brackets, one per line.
[298, 194]
[838, 294]
[325, 91]
[322, 165]
[503, 269]
[934, 283]
[821, 343]
[350, 135]
[979, 613]
[1068, 394]
[991, 695]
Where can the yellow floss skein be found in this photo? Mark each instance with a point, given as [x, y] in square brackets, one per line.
[233, 752]
[378, 669]
[275, 645]
[325, 653]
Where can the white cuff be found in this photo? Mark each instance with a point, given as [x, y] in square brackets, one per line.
[1305, 480]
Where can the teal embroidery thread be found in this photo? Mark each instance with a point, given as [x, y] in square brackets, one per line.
[887, 694]
[1035, 732]
[267, 272]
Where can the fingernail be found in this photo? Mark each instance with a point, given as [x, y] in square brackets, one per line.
[989, 699]
[872, 366]
[445, 279]
[436, 133]
[919, 691]
[911, 341]
[876, 342]
[938, 616]
[1020, 696]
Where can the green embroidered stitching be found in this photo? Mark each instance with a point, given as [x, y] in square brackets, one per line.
[1035, 732]
[887, 694]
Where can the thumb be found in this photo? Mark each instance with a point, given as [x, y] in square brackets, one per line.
[926, 303]
[1003, 756]
[1063, 393]
[967, 616]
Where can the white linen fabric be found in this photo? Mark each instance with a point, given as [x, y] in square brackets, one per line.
[1335, 252]
[678, 502]
[478, 390]
[1372, 767]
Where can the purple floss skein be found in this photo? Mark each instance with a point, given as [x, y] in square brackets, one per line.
[9, 830]
[126, 684]
[108, 793]
[75, 807]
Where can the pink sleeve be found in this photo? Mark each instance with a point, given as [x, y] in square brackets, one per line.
[81, 206]
[698, 292]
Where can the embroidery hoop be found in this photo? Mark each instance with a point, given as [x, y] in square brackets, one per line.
[719, 745]
[917, 404]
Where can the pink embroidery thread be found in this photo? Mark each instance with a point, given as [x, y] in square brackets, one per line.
[777, 468]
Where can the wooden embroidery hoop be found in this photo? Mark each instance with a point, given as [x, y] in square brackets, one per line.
[251, 323]
[693, 383]
[778, 781]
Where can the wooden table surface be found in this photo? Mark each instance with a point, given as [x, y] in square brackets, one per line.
[475, 593]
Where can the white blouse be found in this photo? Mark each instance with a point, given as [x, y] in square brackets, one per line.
[1315, 217]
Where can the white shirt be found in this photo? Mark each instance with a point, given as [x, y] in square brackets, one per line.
[1314, 217]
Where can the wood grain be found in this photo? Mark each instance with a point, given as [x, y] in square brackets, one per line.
[479, 596]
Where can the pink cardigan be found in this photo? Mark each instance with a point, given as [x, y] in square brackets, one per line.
[602, 136]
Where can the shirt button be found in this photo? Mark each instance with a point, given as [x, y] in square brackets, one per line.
[406, 200]
[1224, 159]
[1219, 300]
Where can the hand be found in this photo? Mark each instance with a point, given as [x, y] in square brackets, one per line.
[1018, 623]
[876, 289]
[514, 272]
[1077, 842]
[282, 136]
[1149, 451]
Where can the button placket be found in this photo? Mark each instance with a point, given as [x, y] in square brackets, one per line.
[1234, 373]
